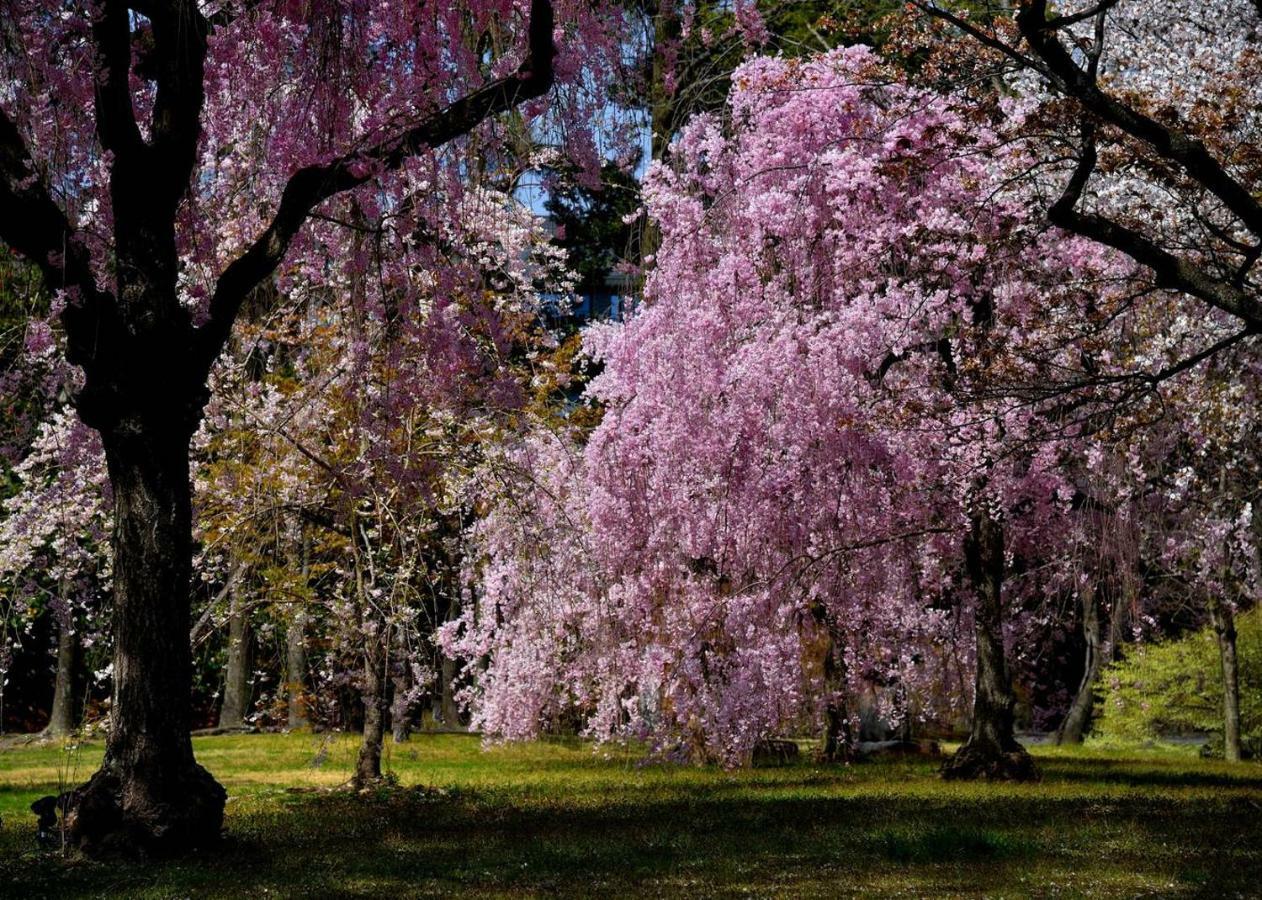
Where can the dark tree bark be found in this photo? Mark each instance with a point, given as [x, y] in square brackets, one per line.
[149, 792]
[61, 721]
[236, 688]
[1073, 71]
[1074, 726]
[1224, 623]
[401, 703]
[992, 750]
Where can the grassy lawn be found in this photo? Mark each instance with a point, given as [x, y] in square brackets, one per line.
[559, 818]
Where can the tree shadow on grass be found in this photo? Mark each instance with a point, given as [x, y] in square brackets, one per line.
[702, 840]
[1137, 772]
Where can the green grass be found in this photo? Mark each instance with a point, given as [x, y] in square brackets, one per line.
[561, 818]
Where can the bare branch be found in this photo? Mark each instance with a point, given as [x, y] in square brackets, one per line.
[1170, 271]
[1097, 48]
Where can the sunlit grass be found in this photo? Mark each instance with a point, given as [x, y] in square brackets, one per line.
[561, 817]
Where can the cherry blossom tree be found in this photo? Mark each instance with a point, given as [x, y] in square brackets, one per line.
[54, 547]
[1144, 142]
[797, 473]
[158, 162]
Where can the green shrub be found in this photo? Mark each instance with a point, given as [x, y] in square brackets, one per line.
[1175, 688]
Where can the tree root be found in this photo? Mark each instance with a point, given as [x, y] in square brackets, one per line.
[992, 762]
[109, 816]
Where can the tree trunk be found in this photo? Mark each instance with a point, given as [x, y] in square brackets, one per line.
[149, 794]
[61, 721]
[448, 708]
[839, 745]
[368, 762]
[296, 644]
[1224, 622]
[400, 709]
[296, 669]
[236, 688]
[1074, 726]
[992, 750]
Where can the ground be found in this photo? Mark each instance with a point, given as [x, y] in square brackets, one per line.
[563, 818]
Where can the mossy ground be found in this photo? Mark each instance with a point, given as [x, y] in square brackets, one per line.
[562, 818]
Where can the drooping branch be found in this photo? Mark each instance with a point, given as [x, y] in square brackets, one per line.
[312, 185]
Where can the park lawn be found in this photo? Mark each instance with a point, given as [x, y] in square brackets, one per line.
[563, 818]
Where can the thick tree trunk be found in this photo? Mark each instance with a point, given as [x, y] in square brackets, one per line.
[149, 794]
[1224, 622]
[992, 750]
[1074, 727]
[368, 762]
[236, 688]
[61, 721]
[296, 672]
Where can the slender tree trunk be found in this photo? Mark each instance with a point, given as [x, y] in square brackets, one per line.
[236, 688]
[1223, 619]
[992, 750]
[1074, 727]
[368, 762]
[61, 721]
[296, 646]
[448, 709]
[1224, 622]
[400, 709]
[401, 704]
[375, 640]
[296, 671]
[149, 792]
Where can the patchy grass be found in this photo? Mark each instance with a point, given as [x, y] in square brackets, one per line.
[560, 817]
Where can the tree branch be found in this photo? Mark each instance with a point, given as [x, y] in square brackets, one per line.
[1055, 24]
[1170, 143]
[179, 33]
[34, 225]
[311, 186]
[1171, 271]
[988, 40]
[115, 116]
